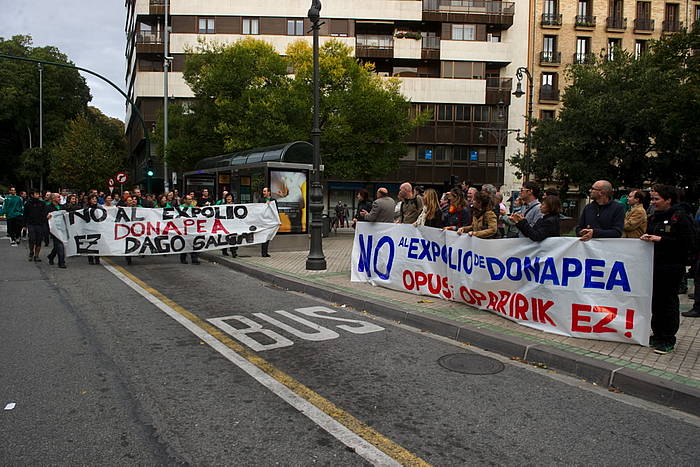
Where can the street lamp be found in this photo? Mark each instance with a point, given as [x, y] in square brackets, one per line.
[519, 93]
[316, 261]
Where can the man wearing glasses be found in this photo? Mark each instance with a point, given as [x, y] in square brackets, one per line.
[602, 218]
[529, 194]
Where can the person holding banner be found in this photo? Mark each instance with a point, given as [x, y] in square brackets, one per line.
[58, 249]
[458, 213]
[484, 223]
[228, 199]
[431, 215]
[382, 208]
[92, 204]
[671, 233]
[188, 202]
[545, 227]
[603, 217]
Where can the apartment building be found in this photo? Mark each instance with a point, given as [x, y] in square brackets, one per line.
[456, 58]
[572, 31]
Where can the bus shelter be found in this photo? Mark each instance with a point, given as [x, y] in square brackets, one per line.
[283, 168]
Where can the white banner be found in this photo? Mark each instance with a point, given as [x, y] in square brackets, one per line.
[600, 289]
[126, 231]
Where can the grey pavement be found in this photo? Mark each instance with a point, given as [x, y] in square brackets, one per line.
[644, 373]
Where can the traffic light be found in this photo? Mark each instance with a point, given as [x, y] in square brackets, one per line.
[149, 169]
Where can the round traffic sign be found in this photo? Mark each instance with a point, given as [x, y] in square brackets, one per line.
[121, 177]
[110, 182]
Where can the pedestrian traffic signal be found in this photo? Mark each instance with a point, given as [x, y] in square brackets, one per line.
[149, 170]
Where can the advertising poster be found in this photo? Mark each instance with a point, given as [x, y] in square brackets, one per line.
[289, 190]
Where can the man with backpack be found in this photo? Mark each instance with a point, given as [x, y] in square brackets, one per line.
[411, 205]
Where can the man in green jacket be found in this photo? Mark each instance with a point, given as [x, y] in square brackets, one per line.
[13, 208]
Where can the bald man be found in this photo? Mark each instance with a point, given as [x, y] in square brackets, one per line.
[603, 217]
[382, 208]
[411, 205]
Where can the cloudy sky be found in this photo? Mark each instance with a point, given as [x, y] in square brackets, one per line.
[90, 32]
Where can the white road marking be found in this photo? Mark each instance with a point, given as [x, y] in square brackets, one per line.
[316, 415]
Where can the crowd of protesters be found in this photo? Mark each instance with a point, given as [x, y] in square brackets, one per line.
[657, 216]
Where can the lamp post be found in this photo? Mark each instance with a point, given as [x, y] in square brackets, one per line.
[316, 261]
[41, 120]
[166, 69]
[519, 93]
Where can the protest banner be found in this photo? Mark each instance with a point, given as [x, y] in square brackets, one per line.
[129, 231]
[600, 289]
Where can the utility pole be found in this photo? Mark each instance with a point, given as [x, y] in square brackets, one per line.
[166, 69]
[41, 121]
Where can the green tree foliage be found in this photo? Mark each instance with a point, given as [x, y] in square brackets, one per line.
[65, 95]
[246, 94]
[92, 150]
[627, 120]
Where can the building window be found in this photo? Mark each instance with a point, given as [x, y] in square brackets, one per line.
[464, 70]
[463, 32]
[613, 46]
[445, 113]
[640, 47]
[425, 154]
[582, 49]
[251, 26]
[443, 153]
[549, 48]
[295, 27]
[482, 113]
[550, 12]
[697, 12]
[375, 40]
[493, 37]
[644, 11]
[463, 113]
[460, 153]
[206, 26]
[547, 114]
[339, 28]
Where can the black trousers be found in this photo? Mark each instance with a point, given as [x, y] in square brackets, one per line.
[14, 228]
[58, 250]
[264, 247]
[665, 312]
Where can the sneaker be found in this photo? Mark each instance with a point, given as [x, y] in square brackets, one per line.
[692, 313]
[13, 243]
[50, 261]
[62, 266]
[37, 259]
[663, 349]
[653, 341]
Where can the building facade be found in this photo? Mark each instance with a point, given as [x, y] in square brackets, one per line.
[572, 31]
[456, 58]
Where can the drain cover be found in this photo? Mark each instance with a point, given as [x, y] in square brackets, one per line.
[471, 364]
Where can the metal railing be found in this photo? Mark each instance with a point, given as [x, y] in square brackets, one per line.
[549, 93]
[583, 57]
[550, 56]
[643, 24]
[430, 42]
[615, 22]
[585, 21]
[148, 37]
[550, 19]
[486, 7]
[156, 2]
[671, 26]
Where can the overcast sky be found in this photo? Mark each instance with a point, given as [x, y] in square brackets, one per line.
[90, 32]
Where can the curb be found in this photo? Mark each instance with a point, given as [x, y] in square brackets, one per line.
[605, 374]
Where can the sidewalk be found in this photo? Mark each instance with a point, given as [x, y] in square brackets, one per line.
[672, 379]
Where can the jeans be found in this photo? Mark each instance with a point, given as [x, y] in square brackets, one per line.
[58, 250]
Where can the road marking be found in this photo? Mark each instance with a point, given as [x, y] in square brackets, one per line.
[353, 433]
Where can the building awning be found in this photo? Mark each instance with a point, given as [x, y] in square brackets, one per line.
[297, 152]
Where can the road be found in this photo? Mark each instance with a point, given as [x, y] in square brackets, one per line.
[134, 365]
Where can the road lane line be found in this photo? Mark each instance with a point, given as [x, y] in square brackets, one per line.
[363, 439]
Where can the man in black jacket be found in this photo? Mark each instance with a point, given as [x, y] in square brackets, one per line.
[35, 214]
[670, 231]
[602, 218]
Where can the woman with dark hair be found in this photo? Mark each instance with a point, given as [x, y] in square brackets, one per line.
[431, 216]
[636, 218]
[484, 224]
[458, 214]
[228, 199]
[546, 226]
[363, 204]
[163, 202]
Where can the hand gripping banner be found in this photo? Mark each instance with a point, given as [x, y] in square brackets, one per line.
[600, 289]
[129, 231]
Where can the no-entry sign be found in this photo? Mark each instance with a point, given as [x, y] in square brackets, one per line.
[121, 177]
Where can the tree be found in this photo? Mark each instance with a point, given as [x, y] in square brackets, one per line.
[246, 93]
[627, 120]
[65, 95]
[92, 150]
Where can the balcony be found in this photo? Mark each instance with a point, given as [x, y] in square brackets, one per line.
[430, 48]
[550, 20]
[149, 42]
[584, 22]
[549, 93]
[498, 90]
[614, 23]
[550, 58]
[582, 58]
[669, 26]
[644, 25]
[470, 11]
[374, 46]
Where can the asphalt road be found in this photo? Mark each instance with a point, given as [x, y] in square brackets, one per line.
[124, 368]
